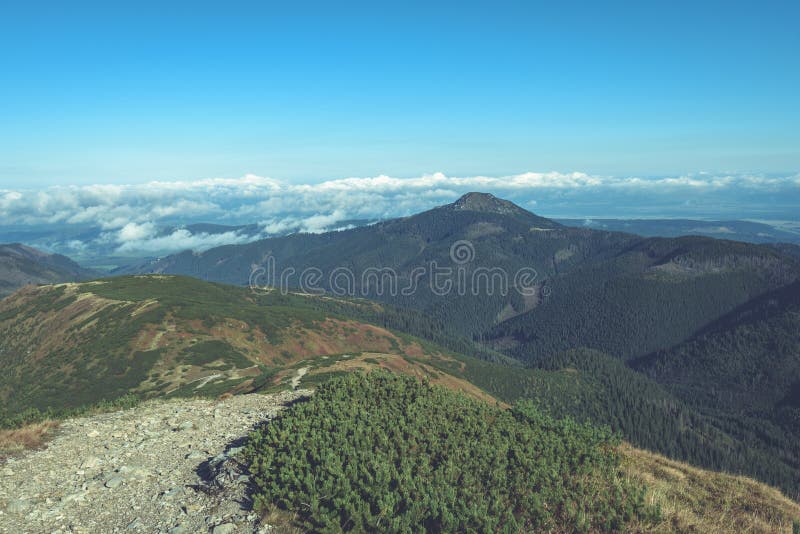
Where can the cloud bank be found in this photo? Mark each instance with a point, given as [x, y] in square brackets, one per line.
[131, 219]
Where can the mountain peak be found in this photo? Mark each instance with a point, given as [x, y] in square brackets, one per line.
[487, 203]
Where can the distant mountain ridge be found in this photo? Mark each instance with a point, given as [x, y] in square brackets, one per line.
[497, 234]
[494, 229]
[748, 231]
[22, 265]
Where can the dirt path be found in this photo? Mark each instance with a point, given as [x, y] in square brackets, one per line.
[159, 467]
[300, 374]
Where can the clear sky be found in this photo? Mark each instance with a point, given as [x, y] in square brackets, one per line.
[106, 93]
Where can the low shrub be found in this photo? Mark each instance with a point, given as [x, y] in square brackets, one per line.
[381, 452]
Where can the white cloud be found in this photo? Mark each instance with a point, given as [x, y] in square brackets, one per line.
[76, 245]
[136, 232]
[182, 239]
[132, 217]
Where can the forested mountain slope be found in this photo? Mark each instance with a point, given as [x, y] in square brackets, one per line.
[743, 372]
[593, 386]
[647, 297]
[751, 356]
[619, 293]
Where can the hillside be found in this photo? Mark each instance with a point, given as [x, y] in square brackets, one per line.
[159, 336]
[73, 345]
[648, 297]
[620, 293]
[177, 459]
[595, 387]
[743, 372]
[21, 265]
[361, 456]
[76, 344]
[698, 500]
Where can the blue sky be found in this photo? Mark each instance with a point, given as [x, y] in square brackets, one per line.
[105, 93]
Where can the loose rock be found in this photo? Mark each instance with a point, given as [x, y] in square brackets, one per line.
[187, 425]
[17, 506]
[141, 470]
[225, 528]
[114, 482]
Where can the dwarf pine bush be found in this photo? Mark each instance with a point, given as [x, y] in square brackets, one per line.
[388, 453]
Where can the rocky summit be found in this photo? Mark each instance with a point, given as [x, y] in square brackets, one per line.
[164, 466]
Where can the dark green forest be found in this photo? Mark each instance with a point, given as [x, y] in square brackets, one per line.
[592, 386]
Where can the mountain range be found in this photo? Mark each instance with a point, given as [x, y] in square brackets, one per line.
[747, 231]
[21, 265]
[587, 288]
[687, 345]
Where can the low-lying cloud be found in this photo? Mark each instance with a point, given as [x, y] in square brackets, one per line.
[179, 239]
[131, 219]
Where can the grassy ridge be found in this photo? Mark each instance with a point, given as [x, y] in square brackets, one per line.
[697, 500]
[74, 345]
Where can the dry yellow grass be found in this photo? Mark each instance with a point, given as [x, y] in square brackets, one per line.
[696, 500]
[28, 437]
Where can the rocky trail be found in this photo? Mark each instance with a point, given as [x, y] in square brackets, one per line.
[299, 376]
[163, 466]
